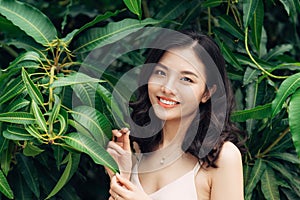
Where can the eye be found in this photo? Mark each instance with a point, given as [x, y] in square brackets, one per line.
[159, 72]
[187, 79]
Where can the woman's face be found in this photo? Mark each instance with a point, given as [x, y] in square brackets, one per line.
[177, 85]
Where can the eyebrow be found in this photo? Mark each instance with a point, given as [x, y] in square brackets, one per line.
[182, 72]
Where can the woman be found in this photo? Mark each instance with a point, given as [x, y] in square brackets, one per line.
[185, 144]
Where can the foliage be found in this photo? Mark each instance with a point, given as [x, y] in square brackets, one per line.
[56, 119]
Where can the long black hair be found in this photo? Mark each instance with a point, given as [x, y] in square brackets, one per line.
[212, 126]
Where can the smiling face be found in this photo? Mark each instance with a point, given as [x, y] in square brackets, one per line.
[177, 86]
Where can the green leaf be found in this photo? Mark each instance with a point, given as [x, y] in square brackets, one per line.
[93, 149]
[34, 132]
[32, 150]
[256, 173]
[259, 112]
[3, 144]
[249, 8]
[86, 93]
[287, 88]
[4, 187]
[73, 79]
[55, 110]
[286, 157]
[173, 9]
[97, 19]
[228, 24]
[17, 117]
[32, 21]
[15, 88]
[135, 6]
[269, 185]
[67, 174]
[17, 104]
[113, 32]
[16, 133]
[212, 3]
[32, 90]
[294, 116]
[27, 56]
[250, 75]
[278, 50]
[257, 24]
[97, 123]
[29, 173]
[40, 120]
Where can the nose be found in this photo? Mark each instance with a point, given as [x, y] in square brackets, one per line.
[169, 87]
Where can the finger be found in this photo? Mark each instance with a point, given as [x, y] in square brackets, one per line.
[124, 182]
[116, 133]
[126, 141]
[116, 147]
[117, 187]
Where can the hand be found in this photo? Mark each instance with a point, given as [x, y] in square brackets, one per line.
[119, 149]
[123, 189]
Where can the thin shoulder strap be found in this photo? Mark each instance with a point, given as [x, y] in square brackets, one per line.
[197, 167]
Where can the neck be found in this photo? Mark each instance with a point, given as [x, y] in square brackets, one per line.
[174, 131]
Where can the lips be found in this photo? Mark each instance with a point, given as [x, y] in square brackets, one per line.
[167, 102]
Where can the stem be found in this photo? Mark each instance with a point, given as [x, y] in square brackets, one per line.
[209, 21]
[10, 50]
[146, 9]
[286, 131]
[256, 63]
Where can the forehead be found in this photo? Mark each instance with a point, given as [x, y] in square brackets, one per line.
[180, 59]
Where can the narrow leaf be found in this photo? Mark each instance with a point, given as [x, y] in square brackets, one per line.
[56, 108]
[228, 24]
[249, 8]
[73, 79]
[113, 32]
[29, 173]
[34, 132]
[269, 185]
[256, 173]
[287, 87]
[32, 21]
[294, 116]
[40, 120]
[212, 3]
[135, 6]
[17, 117]
[15, 88]
[32, 150]
[4, 187]
[97, 123]
[257, 24]
[32, 90]
[16, 133]
[259, 112]
[18, 104]
[93, 149]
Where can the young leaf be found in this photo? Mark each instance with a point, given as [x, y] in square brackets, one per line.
[287, 87]
[92, 148]
[17, 117]
[269, 185]
[29, 173]
[32, 21]
[294, 116]
[40, 120]
[32, 90]
[135, 6]
[4, 187]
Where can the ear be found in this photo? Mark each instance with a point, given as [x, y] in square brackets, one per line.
[208, 93]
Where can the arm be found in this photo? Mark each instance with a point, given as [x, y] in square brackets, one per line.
[227, 179]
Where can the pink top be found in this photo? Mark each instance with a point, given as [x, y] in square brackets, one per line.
[182, 188]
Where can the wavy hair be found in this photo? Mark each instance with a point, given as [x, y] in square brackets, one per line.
[205, 136]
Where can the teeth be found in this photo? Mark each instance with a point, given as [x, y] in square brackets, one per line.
[167, 102]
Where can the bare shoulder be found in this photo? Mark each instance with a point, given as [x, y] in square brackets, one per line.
[229, 155]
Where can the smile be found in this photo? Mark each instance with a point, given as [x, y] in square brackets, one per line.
[166, 102]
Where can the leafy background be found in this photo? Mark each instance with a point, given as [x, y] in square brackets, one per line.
[52, 150]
